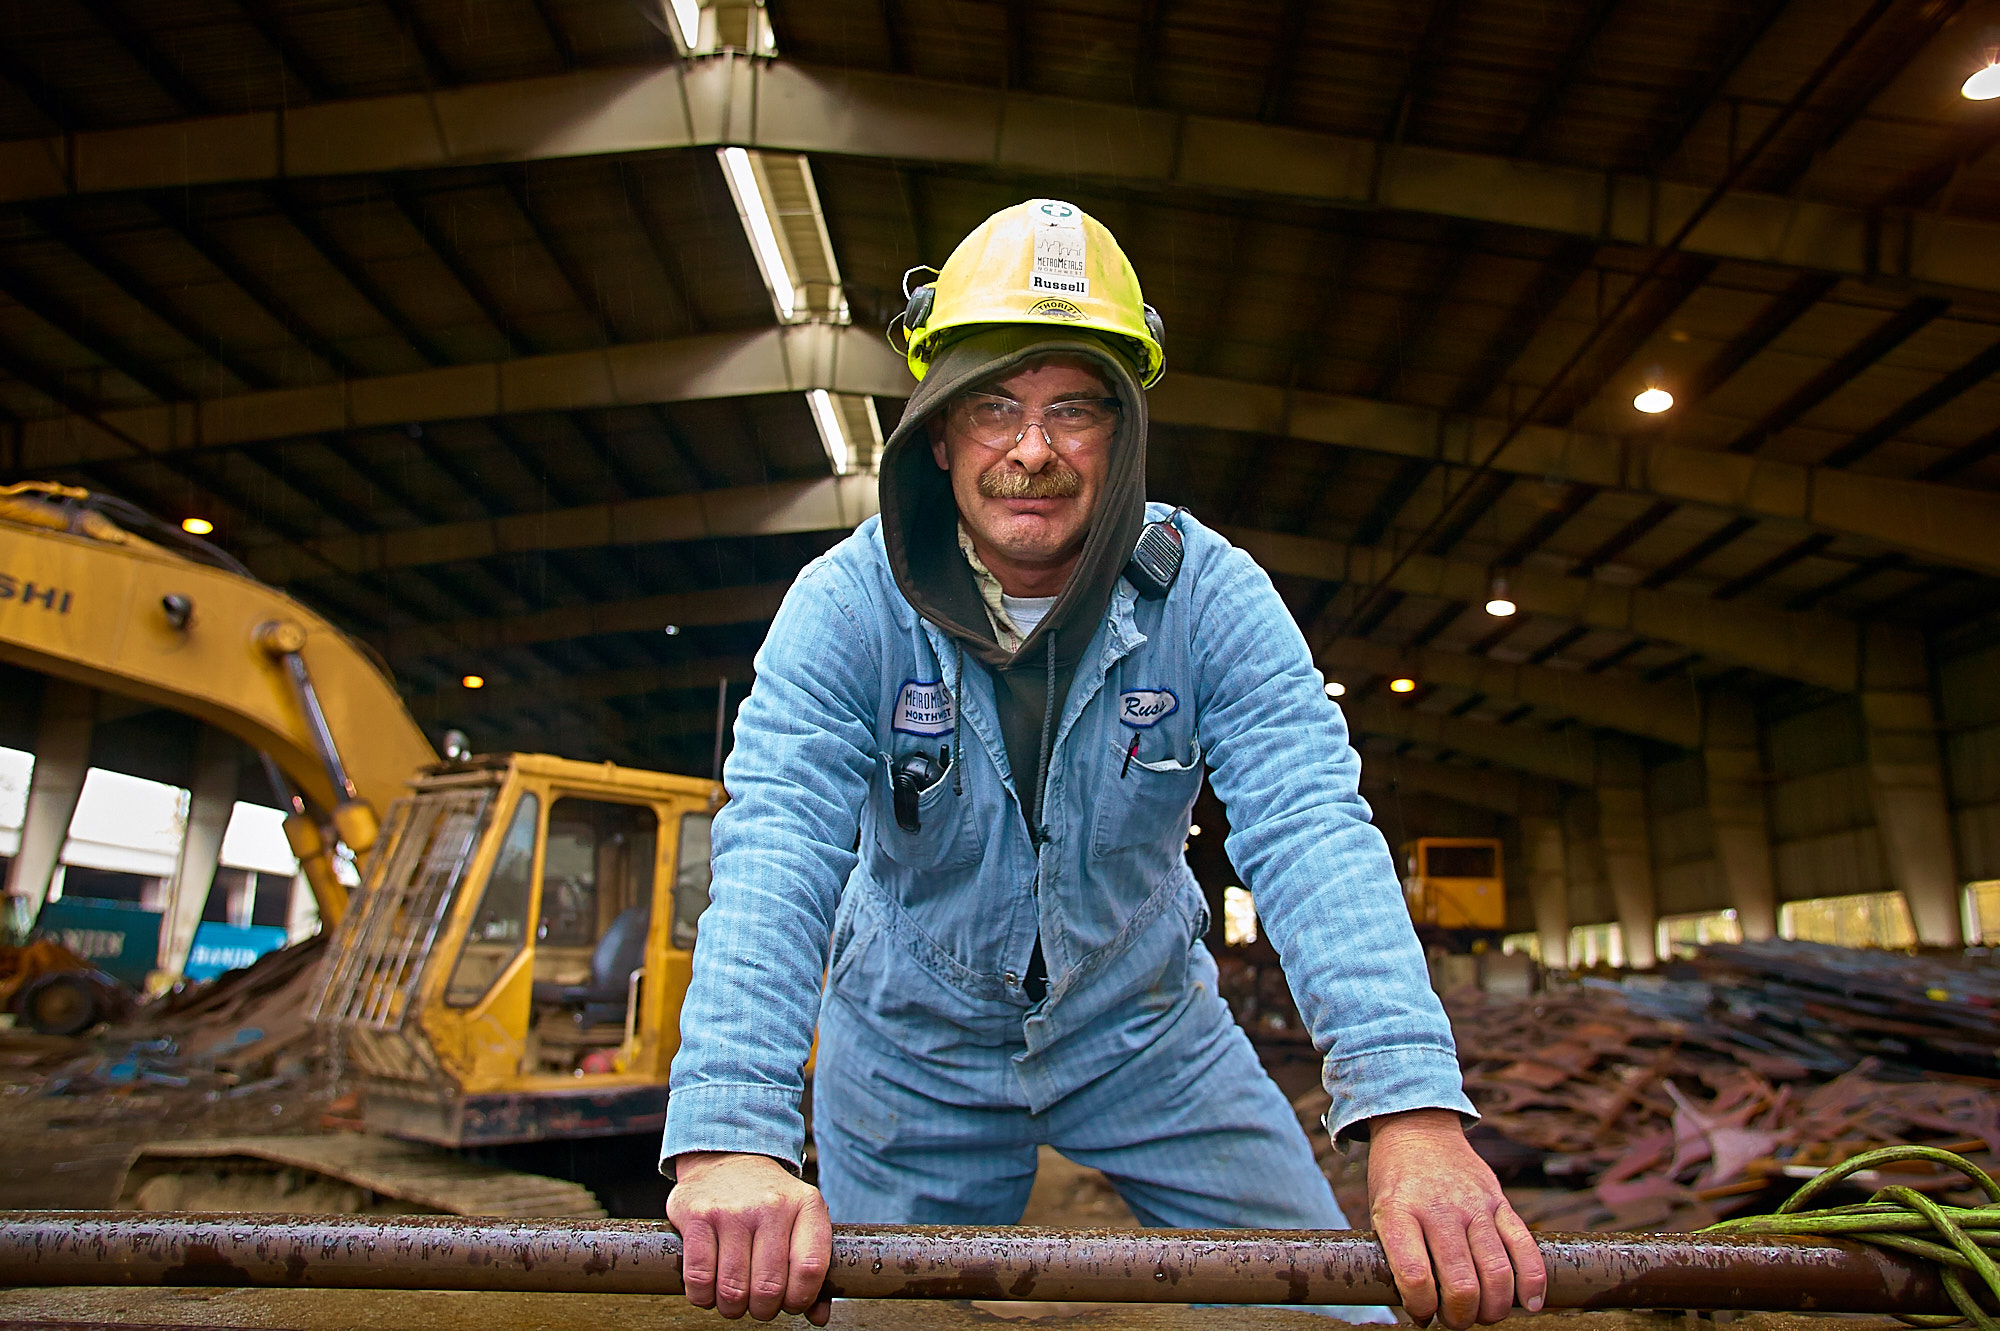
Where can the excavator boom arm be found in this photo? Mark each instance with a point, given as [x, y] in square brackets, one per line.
[87, 602]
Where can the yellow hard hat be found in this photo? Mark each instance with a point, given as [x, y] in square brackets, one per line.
[1039, 262]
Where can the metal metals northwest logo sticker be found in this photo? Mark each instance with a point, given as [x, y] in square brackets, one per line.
[1054, 308]
[923, 708]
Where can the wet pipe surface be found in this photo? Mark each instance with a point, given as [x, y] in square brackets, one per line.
[69, 1248]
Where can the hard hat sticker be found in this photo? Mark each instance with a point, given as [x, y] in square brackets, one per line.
[1060, 265]
[1052, 308]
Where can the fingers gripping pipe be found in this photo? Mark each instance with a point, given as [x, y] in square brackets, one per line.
[887, 1262]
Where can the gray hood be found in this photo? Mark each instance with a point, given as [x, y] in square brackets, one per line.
[920, 516]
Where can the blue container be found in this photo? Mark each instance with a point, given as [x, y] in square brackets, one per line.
[227, 947]
[115, 936]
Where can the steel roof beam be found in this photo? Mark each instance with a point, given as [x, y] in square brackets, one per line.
[768, 360]
[499, 696]
[787, 106]
[1671, 713]
[1921, 518]
[833, 503]
[1813, 648]
[1569, 756]
[649, 614]
[1498, 790]
[1809, 647]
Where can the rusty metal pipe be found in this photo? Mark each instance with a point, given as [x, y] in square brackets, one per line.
[932, 1262]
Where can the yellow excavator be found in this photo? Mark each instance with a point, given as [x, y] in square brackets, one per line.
[512, 967]
[1455, 884]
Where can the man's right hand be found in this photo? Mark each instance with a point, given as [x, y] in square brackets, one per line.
[753, 1237]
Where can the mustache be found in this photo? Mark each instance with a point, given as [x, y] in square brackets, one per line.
[1057, 480]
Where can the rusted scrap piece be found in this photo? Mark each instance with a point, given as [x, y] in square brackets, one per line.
[929, 1262]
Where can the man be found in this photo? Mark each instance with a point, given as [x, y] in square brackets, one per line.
[960, 792]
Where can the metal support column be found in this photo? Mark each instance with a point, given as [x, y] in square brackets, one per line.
[1733, 761]
[1548, 885]
[216, 762]
[1906, 781]
[1628, 848]
[62, 756]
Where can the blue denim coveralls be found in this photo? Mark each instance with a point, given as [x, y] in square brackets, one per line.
[937, 1076]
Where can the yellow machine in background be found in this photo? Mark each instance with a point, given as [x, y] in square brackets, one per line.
[1455, 883]
[90, 602]
[513, 968]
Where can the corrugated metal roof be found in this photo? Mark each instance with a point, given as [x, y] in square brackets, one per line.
[129, 299]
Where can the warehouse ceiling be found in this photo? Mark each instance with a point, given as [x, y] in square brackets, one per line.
[447, 316]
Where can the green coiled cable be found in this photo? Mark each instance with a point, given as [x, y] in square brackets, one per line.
[1905, 1220]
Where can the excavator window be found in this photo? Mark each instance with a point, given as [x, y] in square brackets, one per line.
[599, 864]
[500, 926]
[1458, 861]
[590, 939]
[691, 878]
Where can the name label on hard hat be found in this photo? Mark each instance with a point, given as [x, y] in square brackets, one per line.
[1060, 264]
[923, 709]
[1142, 709]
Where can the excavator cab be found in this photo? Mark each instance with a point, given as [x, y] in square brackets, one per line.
[514, 966]
[1455, 883]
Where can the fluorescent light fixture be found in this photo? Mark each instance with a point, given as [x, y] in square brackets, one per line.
[1653, 401]
[1984, 85]
[830, 433]
[1335, 689]
[742, 176]
[197, 526]
[687, 20]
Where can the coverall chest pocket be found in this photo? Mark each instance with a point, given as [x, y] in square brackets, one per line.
[1146, 799]
[942, 840]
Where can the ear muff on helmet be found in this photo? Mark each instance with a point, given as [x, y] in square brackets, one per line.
[918, 312]
[1156, 326]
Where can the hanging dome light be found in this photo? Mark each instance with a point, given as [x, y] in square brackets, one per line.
[1499, 604]
[1653, 400]
[1335, 689]
[1402, 684]
[1984, 85]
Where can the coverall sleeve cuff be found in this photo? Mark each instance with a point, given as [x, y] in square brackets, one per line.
[752, 1120]
[1389, 1081]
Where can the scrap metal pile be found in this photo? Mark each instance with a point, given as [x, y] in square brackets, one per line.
[240, 1033]
[1667, 1103]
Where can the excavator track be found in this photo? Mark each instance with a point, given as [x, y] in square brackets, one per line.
[341, 1173]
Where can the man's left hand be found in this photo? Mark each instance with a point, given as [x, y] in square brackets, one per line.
[1456, 1247]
